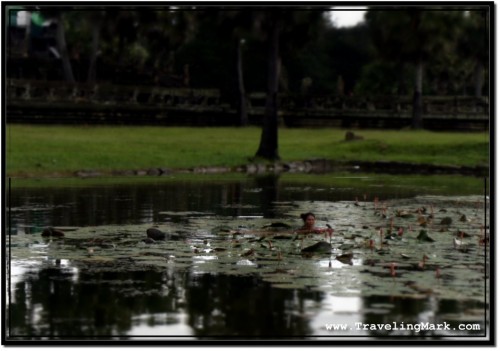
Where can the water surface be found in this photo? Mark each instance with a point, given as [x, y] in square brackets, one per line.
[226, 276]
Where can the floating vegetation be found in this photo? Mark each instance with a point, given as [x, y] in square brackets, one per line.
[423, 236]
[319, 247]
[186, 213]
[377, 248]
[277, 226]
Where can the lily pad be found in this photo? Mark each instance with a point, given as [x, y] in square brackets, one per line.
[277, 226]
[446, 221]
[423, 236]
[319, 247]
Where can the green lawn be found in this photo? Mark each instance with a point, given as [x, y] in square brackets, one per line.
[39, 150]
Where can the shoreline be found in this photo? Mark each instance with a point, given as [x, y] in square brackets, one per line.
[314, 166]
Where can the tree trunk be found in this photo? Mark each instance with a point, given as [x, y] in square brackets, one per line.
[478, 79]
[96, 28]
[27, 36]
[417, 96]
[268, 147]
[63, 49]
[242, 108]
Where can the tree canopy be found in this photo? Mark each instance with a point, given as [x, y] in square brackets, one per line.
[160, 45]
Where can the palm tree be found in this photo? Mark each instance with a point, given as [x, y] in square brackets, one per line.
[415, 36]
[473, 44]
[62, 47]
[96, 20]
[235, 26]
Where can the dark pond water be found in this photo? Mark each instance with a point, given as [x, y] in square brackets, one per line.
[225, 278]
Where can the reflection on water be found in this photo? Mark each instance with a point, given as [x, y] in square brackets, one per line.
[78, 204]
[53, 302]
[61, 300]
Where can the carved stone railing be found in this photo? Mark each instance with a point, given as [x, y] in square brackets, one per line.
[436, 106]
[50, 92]
[48, 102]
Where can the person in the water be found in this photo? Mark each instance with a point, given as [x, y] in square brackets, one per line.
[309, 225]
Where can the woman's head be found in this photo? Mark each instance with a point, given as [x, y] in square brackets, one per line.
[309, 219]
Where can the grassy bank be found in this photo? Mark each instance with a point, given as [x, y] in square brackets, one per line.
[45, 150]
